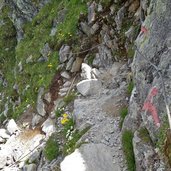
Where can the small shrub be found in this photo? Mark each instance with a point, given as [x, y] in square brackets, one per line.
[123, 113]
[68, 99]
[59, 112]
[51, 150]
[71, 143]
[127, 137]
[69, 126]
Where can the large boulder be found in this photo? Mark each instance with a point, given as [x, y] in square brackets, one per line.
[89, 87]
[89, 157]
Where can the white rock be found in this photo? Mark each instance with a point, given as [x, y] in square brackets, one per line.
[65, 74]
[12, 126]
[86, 71]
[30, 167]
[4, 134]
[48, 127]
[89, 87]
[89, 157]
[73, 162]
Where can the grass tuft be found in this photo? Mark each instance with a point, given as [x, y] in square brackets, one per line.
[123, 113]
[127, 145]
[51, 150]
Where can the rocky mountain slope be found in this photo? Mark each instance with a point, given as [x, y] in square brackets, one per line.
[74, 96]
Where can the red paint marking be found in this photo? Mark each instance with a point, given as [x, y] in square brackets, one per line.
[144, 30]
[148, 106]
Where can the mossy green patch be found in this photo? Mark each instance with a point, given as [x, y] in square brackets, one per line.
[144, 135]
[51, 150]
[130, 87]
[127, 145]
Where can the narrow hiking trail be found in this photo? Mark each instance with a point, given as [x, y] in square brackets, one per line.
[102, 113]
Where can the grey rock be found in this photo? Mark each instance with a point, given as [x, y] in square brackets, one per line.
[130, 34]
[99, 8]
[95, 28]
[70, 63]
[67, 84]
[146, 158]
[104, 58]
[47, 97]
[35, 156]
[95, 73]
[85, 28]
[119, 17]
[12, 127]
[64, 53]
[42, 59]
[89, 87]
[131, 121]
[40, 104]
[45, 51]
[30, 167]
[155, 49]
[48, 127]
[64, 90]
[77, 65]
[4, 134]
[36, 119]
[91, 12]
[89, 157]
[65, 74]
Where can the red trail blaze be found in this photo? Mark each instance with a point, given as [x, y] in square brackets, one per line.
[148, 106]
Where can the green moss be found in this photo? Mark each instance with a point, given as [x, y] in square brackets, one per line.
[123, 113]
[162, 134]
[144, 135]
[51, 150]
[130, 52]
[130, 87]
[127, 137]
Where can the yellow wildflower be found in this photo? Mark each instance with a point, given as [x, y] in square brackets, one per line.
[64, 121]
[50, 65]
[65, 115]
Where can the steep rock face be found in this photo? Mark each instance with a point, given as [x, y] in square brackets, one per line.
[154, 49]
[22, 11]
[152, 70]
